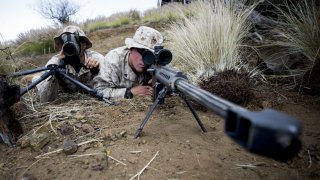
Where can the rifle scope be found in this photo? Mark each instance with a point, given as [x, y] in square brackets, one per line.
[160, 57]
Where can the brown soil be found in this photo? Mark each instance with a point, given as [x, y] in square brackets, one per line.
[230, 85]
[172, 136]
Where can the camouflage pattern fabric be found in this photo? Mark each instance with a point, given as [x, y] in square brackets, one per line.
[116, 75]
[145, 38]
[73, 30]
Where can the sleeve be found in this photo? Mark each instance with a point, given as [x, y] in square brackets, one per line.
[54, 60]
[99, 57]
[109, 78]
[48, 88]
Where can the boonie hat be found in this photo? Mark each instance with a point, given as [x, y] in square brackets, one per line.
[72, 29]
[145, 38]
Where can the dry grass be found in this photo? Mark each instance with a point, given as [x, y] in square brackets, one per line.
[302, 31]
[209, 40]
[167, 13]
[7, 63]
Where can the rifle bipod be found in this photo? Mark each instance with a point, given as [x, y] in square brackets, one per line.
[58, 70]
[160, 98]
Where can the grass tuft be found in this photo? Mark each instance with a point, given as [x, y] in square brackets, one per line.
[209, 40]
[301, 34]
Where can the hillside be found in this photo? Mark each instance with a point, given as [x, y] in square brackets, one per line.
[171, 139]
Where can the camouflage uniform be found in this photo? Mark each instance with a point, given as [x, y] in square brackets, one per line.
[48, 89]
[115, 74]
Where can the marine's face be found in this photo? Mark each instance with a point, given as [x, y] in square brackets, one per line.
[136, 61]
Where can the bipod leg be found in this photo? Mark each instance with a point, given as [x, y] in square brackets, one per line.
[161, 95]
[89, 90]
[33, 84]
[194, 113]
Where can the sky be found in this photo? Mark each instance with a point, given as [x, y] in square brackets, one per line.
[18, 16]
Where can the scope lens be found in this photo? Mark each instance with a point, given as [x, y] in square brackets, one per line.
[148, 57]
[164, 57]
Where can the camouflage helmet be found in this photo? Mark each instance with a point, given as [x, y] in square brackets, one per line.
[145, 38]
[72, 29]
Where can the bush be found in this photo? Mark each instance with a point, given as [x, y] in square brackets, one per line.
[33, 48]
[301, 32]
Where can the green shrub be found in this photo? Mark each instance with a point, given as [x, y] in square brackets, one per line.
[33, 48]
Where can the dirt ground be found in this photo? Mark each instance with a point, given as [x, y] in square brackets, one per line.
[172, 145]
[172, 137]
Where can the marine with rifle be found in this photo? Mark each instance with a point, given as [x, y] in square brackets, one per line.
[122, 73]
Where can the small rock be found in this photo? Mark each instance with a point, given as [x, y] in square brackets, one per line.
[106, 134]
[38, 141]
[87, 128]
[84, 166]
[66, 130]
[118, 136]
[86, 162]
[83, 121]
[123, 133]
[113, 138]
[69, 147]
[78, 125]
[97, 167]
[24, 142]
[2, 165]
[79, 116]
[133, 160]
[28, 177]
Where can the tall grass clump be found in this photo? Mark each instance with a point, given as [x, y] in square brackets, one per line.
[209, 41]
[301, 33]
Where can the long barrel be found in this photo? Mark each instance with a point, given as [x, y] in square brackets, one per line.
[209, 100]
[268, 132]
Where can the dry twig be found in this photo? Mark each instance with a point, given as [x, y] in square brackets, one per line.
[59, 150]
[92, 154]
[31, 166]
[310, 161]
[141, 171]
